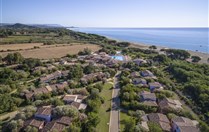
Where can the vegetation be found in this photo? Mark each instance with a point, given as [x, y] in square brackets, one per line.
[19, 75]
[104, 112]
[86, 51]
[195, 58]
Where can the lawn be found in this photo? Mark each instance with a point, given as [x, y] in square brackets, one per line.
[123, 117]
[104, 114]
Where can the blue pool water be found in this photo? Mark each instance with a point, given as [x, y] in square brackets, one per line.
[195, 39]
[120, 58]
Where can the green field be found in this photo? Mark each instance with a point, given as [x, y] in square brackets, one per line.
[104, 114]
[36, 39]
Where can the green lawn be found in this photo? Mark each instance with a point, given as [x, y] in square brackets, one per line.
[104, 114]
[123, 117]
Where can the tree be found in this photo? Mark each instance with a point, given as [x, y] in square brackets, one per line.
[152, 47]
[195, 58]
[129, 125]
[177, 54]
[86, 51]
[154, 127]
[93, 120]
[72, 128]
[89, 69]
[31, 62]
[123, 44]
[13, 58]
[76, 72]
[94, 105]
[66, 110]
[161, 58]
[1, 59]
[31, 129]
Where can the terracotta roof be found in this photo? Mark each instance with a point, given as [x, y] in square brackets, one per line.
[70, 98]
[160, 119]
[53, 126]
[147, 95]
[49, 88]
[155, 84]
[147, 73]
[29, 95]
[79, 105]
[81, 97]
[169, 103]
[183, 121]
[53, 87]
[135, 74]
[188, 129]
[185, 124]
[65, 120]
[34, 123]
[51, 76]
[61, 86]
[44, 111]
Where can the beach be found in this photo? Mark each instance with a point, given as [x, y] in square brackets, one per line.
[204, 56]
[193, 40]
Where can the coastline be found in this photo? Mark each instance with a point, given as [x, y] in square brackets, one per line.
[204, 56]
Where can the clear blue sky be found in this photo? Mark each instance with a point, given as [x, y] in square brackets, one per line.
[107, 13]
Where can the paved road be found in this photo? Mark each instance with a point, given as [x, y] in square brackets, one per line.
[114, 125]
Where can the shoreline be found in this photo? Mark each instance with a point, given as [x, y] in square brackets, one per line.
[204, 56]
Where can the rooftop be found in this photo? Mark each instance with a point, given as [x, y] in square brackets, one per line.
[44, 111]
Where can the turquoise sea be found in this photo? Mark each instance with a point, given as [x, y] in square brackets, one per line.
[195, 39]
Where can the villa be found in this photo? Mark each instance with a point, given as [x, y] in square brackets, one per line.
[139, 61]
[79, 106]
[141, 81]
[50, 77]
[155, 86]
[135, 74]
[70, 98]
[160, 119]
[53, 126]
[147, 73]
[148, 98]
[182, 124]
[39, 124]
[44, 113]
[30, 95]
[65, 120]
[169, 104]
[92, 77]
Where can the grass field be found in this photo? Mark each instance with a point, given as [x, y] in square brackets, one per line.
[6, 47]
[49, 52]
[11, 39]
[36, 38]
[104, 114]
[123, 117]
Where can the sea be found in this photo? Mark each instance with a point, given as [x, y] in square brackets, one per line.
[194, 39]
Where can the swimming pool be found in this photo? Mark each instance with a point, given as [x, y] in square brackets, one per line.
[116, 57]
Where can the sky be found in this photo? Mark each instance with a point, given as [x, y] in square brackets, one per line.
[107, 13]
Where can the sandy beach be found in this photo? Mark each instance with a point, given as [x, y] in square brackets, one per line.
[204, 56]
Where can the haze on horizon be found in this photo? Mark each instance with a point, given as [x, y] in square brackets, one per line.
[107, 13]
